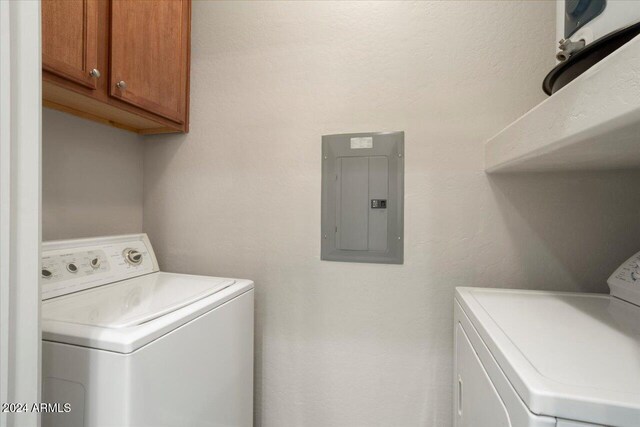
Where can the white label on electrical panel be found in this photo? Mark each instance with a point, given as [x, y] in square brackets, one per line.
[362, 142]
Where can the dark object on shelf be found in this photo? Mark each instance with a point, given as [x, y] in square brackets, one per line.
[584, 59]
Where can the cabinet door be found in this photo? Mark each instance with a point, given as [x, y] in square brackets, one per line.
[150, 55]
[70, 39]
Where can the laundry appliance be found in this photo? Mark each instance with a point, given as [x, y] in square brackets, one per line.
[549, 359]
[126, 345]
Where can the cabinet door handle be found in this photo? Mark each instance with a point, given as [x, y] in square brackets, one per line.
[122, 85]
[95, 73]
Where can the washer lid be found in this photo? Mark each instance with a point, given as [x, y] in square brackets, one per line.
[127, 315]
[568, 355]
[132, 302]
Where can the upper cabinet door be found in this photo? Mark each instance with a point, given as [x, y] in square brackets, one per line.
[150, 55]
[70, 40]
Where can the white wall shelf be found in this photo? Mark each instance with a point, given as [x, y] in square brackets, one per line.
[592, 123]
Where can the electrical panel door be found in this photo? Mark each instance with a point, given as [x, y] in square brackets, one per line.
[363, 197]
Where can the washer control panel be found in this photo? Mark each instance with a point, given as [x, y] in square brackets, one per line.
[69, 265]
[625, 281]
[74, 265]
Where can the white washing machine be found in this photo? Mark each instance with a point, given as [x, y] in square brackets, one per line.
[125, 345]
[542, 359]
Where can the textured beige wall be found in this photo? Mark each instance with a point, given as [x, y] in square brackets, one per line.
[91, 178]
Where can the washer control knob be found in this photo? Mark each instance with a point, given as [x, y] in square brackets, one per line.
[133, 256]
[72, 268]
[46, 273]
[95, 263]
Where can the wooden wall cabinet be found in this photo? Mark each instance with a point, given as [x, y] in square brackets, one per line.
[120, 62]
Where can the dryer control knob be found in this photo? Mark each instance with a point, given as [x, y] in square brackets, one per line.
[133, 256]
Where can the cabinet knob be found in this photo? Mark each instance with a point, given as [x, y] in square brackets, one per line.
[95, 73]
[122, 85]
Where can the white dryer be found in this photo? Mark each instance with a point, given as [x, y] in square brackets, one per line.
[542, 359]
[126, 345]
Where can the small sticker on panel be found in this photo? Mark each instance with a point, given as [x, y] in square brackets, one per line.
[362, 142]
